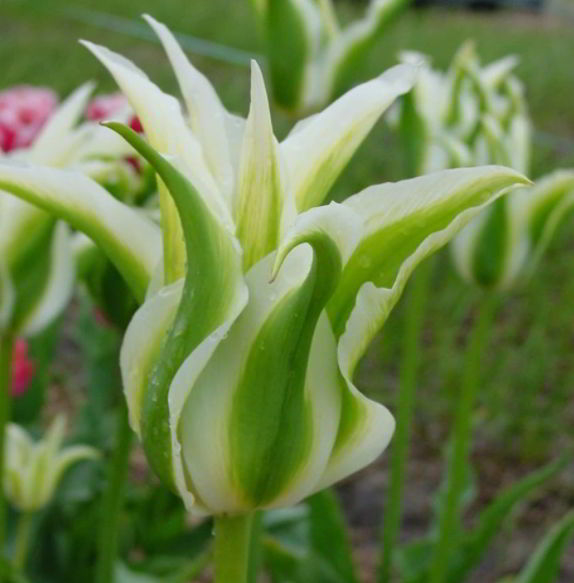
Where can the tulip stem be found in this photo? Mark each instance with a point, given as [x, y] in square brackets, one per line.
[108, 535]
[410, 361]
[6, 345]
[232, 548]
[458, 458]
[22, 540]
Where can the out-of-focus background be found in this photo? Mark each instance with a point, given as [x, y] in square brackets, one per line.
[526, 405]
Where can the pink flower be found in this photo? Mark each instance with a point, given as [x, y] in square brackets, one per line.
[23, 112]
[104, 106]
[22, 368]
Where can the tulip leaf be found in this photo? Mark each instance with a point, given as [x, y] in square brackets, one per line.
[329, 538]
[545, 562]
[491, 519]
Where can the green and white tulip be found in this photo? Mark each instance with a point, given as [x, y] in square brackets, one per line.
[36, 258]
[257, 304]
[312, 59]
[34, 469]
[442, 121]
[502, 247]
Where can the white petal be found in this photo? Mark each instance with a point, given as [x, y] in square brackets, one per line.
[317, 153]
[59, 286]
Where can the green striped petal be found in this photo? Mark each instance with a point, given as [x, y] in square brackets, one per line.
[403, 222]
[260, 197]
[58, 286]
[293, 29]
[349, 49]
[319, 149]
[258, 416]
[546, 204]
[213, 295]
[504, 244]
[364, 427]
[132, 242]
[52, 145]
[167, 131]
[208, 117]
[260, 421]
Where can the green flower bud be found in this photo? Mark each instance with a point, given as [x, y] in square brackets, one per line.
[257, 304]
[34, 469]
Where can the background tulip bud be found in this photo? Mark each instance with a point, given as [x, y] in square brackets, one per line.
[34, 469]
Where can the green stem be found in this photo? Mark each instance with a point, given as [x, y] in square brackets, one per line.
[406, 398]
[6, 345]
[109, 528]
[22, 540]
[232, 546]
[461, 439]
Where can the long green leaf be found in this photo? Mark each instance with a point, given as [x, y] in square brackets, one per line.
[545, 562]
[329, 537]
[492, 518]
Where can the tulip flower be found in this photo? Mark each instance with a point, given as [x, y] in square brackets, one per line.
[34, 469]
[257, 304]
[503, 246]
[312, 58]
[441, 119]
[32, 473]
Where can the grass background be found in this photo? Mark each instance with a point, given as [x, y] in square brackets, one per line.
[526, 406]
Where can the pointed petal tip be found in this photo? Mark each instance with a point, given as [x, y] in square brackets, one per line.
[155, 24]
[258, 89]
[402, 76]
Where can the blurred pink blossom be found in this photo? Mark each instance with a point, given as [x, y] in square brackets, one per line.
[23, 112]
[22, 368]
[104, 106]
